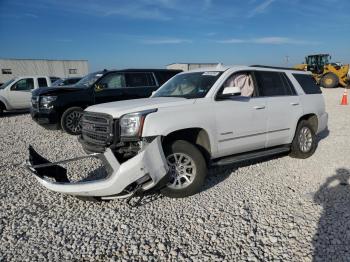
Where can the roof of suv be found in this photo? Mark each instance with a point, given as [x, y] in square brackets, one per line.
[139, 70]
[221, 68]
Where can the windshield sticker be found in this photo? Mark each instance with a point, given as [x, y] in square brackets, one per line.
[210, 73]
[98, 75]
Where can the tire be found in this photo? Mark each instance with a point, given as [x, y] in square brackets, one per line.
[2, 108]
[184, 185]
[70, 120]
[302, 150]
[330, 80]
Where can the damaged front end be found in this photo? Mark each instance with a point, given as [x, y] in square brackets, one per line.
[142, 172]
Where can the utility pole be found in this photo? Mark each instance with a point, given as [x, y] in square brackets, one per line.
[287, 60]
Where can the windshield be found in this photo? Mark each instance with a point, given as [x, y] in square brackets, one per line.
[89, 79]
[189, 85]
[7, 83]
[57, 82]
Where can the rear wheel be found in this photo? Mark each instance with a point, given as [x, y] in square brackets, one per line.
[304, 143]
[187, 169]
[70, 120]
[330, 80]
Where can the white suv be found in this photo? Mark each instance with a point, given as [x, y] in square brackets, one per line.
[15, 94]
[197, 119]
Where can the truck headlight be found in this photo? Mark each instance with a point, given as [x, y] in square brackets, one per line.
[46, 102]
[131, 125]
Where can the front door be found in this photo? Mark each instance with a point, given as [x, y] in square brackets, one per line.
[109, 88]
[21, 92]
[241, 121]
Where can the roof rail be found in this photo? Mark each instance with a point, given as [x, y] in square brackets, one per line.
[276, 67]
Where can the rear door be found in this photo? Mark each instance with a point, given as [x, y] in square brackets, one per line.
[283, 106]
[21, 92]
[139, 85]
[110, 87]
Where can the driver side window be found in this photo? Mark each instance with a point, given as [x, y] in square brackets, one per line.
[112, 81]
[243, 80]
[23, 85]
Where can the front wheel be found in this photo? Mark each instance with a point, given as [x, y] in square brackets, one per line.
[70, 120]
[187, 169]
[304, 143]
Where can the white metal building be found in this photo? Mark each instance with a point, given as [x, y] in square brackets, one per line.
[10, 68]
[190, 66]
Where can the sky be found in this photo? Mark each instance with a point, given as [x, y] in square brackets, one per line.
[154, 33]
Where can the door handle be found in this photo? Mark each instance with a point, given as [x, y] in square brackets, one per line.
[294, 104]
[259, 107]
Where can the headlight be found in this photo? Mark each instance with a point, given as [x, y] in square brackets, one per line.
[131, 125]
[46, 101]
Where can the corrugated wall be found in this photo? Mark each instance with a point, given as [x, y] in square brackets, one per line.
[190, 66]
[59, 68]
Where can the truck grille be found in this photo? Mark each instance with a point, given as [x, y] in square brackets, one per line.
[97, 128]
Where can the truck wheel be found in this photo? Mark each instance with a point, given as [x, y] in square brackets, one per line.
[70, 120]
[304, 143]
[187, 169]
[2, 108]
[330, 80]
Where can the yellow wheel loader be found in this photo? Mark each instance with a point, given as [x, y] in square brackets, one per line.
[327, 74]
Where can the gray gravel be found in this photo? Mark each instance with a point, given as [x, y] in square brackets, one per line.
[279, 209]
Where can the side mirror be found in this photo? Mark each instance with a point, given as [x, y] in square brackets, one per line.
[153, 93]
[230, 91]
[101, 86]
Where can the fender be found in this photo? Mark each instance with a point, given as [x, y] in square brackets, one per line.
[5, 102]
[168, 120]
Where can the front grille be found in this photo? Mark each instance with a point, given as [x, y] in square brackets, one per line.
[35, 102]
[97, 128]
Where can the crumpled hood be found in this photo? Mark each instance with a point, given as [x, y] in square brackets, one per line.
[117, 109]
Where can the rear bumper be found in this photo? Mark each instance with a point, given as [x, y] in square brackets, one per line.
[146, 169]
[47, 119]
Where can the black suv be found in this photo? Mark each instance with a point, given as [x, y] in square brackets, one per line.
[62, 107]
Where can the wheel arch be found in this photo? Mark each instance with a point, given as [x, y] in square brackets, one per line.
[195, 135]
[312, 119]
[4, 103]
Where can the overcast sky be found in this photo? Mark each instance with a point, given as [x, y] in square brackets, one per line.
[153, 33]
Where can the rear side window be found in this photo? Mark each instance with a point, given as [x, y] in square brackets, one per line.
[42, 82]
[139, 79]
[272, 84]
[308, 84]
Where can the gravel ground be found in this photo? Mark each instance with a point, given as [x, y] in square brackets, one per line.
[279, 209]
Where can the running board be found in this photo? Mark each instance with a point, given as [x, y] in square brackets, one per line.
[250, 156]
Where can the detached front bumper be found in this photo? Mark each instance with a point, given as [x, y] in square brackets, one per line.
[144, 170]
